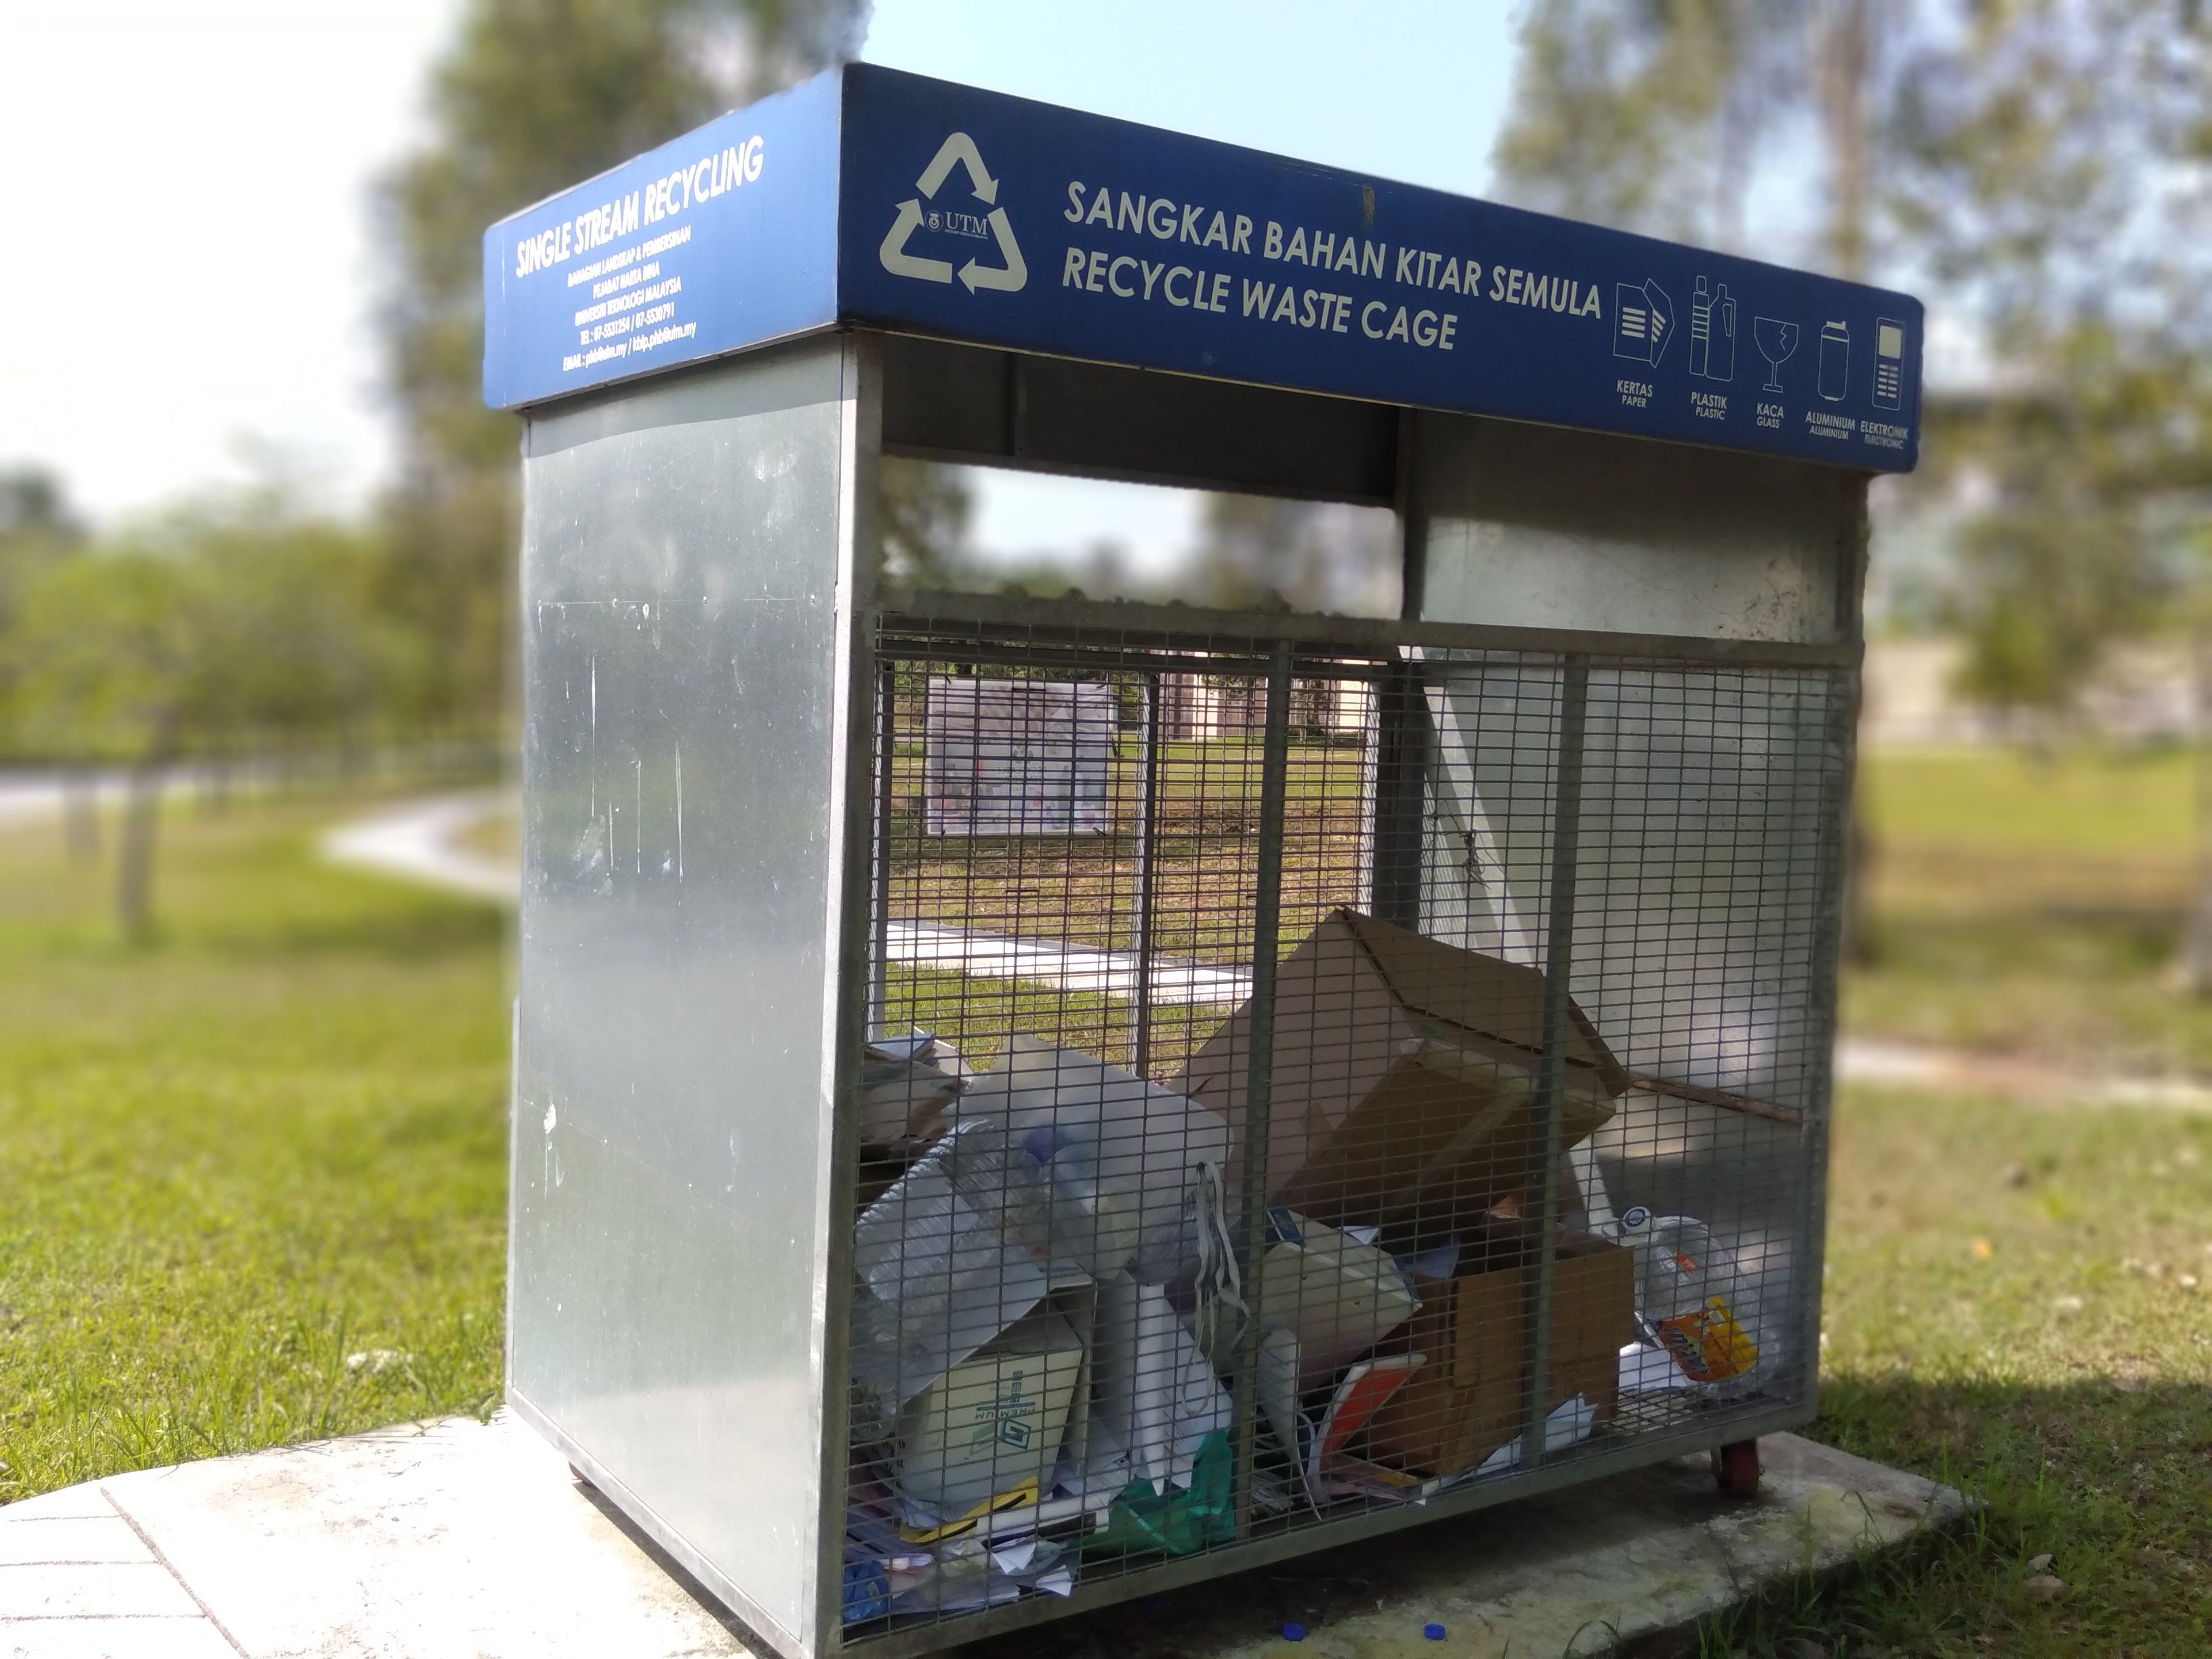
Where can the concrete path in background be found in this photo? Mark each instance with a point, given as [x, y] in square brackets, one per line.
[29, 797]
[421, 840]
[418, 841]
[457, 1540]
[1876, 1061]
[1066, 967]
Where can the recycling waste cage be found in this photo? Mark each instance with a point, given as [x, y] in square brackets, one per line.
[1021, 1103]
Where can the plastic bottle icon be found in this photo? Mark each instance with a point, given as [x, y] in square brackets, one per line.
[1680, 1277]
[1712, 333]
[1835, 361]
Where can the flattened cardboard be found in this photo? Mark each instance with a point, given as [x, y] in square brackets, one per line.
[1467, 1401]
[1404, 1078]
[952, 1454]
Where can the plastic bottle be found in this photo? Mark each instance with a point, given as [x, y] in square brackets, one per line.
[1681, 1280]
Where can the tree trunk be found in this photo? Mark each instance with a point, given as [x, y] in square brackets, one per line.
[2197, 943]
[81, 813]
[1842, 70]
[142, 817]
[211, 785]
[134, 874]
[1844, 67]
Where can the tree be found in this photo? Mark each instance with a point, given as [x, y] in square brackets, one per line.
[38, 529]
[532, 96]
[233, 625]
[2038, 164]
[112, 665]
[1643, 114]
[923, 512]
[1264, 552]
[2050, 175]
[2060, 179]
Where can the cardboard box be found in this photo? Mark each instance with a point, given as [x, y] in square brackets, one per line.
[1466, 1401]
[1404, 1080]
[994, 1425]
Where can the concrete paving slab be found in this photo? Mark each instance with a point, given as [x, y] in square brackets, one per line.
[55, 1590]
[473, 1541]
[115, 1638]
[1633, 1560]
[72, 1540]
[81, 1502]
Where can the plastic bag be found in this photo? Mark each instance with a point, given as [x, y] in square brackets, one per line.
[1144, 1142]
[1091, 1227]
[1155, 1394]
[1180, 1520]
[952, 1255]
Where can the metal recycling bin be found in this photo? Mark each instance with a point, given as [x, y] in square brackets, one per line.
[1020, 1103]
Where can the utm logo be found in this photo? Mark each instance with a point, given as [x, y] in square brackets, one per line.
[1007, 275]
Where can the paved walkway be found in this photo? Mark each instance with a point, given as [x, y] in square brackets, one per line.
[421, 840]
[457, 1540]
[1905, 1064]
[29, 797]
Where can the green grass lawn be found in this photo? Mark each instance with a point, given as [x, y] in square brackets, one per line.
[2032, 907]
[234, 1162]
[275, 1140]
[2016, 1303]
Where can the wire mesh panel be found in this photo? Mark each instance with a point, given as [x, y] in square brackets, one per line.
[1312, 1084]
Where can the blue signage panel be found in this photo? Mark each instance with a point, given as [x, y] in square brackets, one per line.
[722, 239]
[881, 198]
[1013, 223]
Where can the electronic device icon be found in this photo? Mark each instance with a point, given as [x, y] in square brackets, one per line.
[1888, 363]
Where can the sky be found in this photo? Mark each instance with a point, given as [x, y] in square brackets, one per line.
[186, 254]
[185, 238]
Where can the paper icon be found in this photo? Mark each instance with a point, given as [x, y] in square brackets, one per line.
[1643, 322]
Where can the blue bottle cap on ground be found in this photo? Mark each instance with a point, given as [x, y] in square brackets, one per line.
[1434, 1631]
[1294, 1633]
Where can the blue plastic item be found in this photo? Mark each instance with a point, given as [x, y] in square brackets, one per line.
[1435, 1632]
[867, 1591]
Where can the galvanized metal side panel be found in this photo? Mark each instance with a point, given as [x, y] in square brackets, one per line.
[1533, 527]
[682, 852]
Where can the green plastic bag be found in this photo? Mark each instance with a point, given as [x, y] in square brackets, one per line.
[1182, 1520]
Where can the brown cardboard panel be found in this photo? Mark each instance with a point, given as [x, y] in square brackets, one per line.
[1396, 1145]
[1499, 999]
[1339, 1029]
[1383, 1113]
[1466, 1401]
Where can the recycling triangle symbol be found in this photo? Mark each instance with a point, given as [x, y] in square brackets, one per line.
[957, 150]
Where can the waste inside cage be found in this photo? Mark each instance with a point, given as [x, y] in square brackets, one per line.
[1231, 1162]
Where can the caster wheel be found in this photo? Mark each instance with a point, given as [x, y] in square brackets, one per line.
[1736, 1468]
[580, 1478]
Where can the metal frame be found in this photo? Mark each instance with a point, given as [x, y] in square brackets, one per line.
[1159, 627]
[1398, 656]
[1558, 965]
[1401, 659]
[850, 923]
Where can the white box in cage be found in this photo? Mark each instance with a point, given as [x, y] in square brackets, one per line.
[1016, 756]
